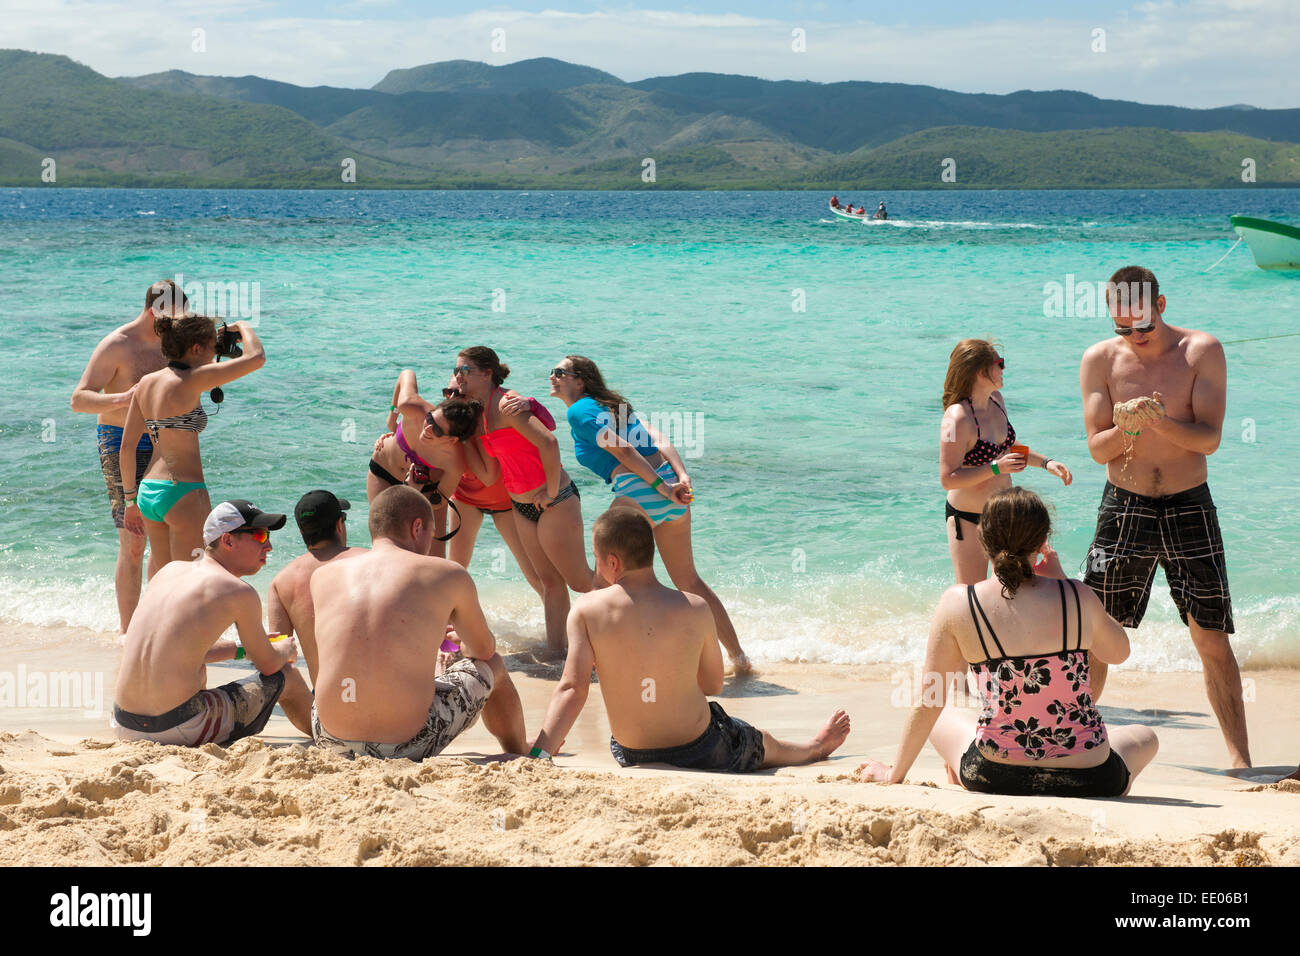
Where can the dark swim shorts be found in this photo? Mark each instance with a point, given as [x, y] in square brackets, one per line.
[110, 450]
[727, 744]
[1180, 533]
[978, 773]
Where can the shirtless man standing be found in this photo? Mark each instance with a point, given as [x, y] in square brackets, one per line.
[160, 693]
[1156, 508]
[657, 653]
[121, 359]
[379, 620]
[323, 525]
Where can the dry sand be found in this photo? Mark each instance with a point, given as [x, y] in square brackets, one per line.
[71, 794]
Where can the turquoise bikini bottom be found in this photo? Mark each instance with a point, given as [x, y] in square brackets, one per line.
[156, 496]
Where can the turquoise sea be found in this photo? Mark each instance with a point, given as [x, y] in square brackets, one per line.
[804, 357]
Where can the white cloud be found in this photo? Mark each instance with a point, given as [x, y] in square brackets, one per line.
[1191, 53]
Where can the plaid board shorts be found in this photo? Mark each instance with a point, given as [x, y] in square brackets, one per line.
[1178, 532]
[459, 695]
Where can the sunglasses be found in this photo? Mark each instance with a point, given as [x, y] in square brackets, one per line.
[260, 535]
[561, 372]
[1001, 363]
[1144, 329]
[451, 393]
[432, 423]
[464, 370]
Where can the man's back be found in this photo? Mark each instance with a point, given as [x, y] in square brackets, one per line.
[185, 609]
[380, 618]
[289, 606]
[648, 641]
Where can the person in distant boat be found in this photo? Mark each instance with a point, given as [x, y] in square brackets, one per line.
[379, 619]
[514, 444]
[322, 522]
[645, 473]
[1038, 732]
[835, 202]
[657, 654]
[880, 212]
[1154, 399]
[121, 359]
[170, 501]
[161, 693]
[972, 465]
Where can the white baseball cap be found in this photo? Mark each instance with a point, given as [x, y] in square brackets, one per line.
[237, 515]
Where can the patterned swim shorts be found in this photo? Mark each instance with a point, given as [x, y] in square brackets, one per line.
[1180, 533]
[110, 449]
[459, 695]
[220, 715]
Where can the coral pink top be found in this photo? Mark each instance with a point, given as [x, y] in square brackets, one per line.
[521, 462]
[1040, 705]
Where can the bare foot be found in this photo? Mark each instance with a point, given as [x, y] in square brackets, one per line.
[828, 740]
[741, 665]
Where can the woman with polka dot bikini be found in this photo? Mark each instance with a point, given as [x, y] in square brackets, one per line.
[978, 451]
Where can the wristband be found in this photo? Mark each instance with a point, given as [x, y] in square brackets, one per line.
[658, 481]
[392, 408]
[1046, 462]
[539, 752]
[1134, 434]
[994, 466]
[239, 652]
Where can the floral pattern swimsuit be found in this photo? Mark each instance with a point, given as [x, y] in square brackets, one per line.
[1040, 705]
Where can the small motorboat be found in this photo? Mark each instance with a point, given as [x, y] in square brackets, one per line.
[839, 212]
[1274, 245]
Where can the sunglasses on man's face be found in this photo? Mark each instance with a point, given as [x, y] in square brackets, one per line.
[260, 535]
[1144, 329]
[561, 372]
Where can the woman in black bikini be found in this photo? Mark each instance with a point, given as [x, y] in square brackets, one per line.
[978, 451]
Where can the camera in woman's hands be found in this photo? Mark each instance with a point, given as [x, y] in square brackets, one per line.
[228, 342]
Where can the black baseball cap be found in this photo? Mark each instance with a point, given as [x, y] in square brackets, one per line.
[318, 511]
[238, 515]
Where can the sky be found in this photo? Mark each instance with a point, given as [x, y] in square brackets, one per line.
[1198, 53]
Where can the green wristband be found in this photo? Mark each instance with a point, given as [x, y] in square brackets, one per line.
[539, 752]
[658, 481]
[239, 652]
[994, 466]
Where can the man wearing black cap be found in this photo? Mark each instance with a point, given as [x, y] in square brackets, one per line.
[176, 632]
[323, 525]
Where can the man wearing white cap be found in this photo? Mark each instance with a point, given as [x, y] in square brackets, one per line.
[176, 632]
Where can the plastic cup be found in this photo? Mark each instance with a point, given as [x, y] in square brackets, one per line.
[1020, 450]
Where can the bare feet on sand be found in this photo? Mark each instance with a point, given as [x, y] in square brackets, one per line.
[829, 738]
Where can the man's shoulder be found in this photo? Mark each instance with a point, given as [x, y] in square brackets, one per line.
[1099, 352]
[1197, 343]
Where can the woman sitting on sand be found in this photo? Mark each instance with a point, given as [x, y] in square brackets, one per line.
[646, 473]
[1028, 637]
[171, 502]
[974, 462]
[516, 447]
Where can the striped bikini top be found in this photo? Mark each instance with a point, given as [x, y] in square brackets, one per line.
[194, 421]
[1039, 705]
[984, 451]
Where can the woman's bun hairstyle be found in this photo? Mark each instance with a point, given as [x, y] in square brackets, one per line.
[1013, 526]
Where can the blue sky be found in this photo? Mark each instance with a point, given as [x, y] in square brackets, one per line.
[1199, 53]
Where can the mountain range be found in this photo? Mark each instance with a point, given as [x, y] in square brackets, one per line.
[545, 123]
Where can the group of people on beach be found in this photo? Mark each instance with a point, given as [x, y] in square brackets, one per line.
[398, 652]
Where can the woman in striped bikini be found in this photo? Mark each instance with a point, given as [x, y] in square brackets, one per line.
[972, 466]
[1038, 731]
[645, 473]
[171, 502]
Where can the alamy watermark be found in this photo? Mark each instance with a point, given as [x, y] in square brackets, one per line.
[1075, 299]
[56, 690]
[684, 431]
[227, 300]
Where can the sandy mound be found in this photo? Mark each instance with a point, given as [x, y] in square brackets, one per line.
[113, 803]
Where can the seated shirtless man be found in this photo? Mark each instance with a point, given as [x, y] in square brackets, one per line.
[176, 631]
[380, 618]
[657, 654]
[323, 526]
